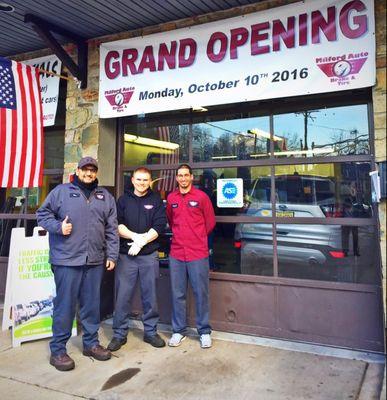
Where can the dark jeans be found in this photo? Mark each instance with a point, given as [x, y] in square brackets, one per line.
[128, 270]
[346, 231]
[75, 284]
[197, 273]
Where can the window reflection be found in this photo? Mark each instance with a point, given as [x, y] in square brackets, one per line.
[22, 201]
[147, 144]
[254, 246]
[27, 200]
[305, 251]
[327, 252]
[223, 255]
[323, 190]
[323, 132]
[233, 139]
[253, 195]
[54, 148]
[254, 185]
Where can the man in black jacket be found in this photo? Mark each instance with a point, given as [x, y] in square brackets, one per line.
[141, 219]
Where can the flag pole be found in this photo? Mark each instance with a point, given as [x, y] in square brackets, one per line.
[54, 74]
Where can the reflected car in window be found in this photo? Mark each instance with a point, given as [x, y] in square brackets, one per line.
[311, 250]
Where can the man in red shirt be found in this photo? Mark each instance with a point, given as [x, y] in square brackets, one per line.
[191, 218]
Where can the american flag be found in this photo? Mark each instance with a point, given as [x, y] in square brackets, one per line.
[21, 126]
[167, 181]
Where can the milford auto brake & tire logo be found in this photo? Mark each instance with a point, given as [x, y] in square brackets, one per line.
[119, 98]
[344, 68]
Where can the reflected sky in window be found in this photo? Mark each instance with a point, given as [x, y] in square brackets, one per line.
[329, 131]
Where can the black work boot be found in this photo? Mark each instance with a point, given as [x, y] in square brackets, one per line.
[116, 343]
[62, 362]
[155, 341]
[98, 352]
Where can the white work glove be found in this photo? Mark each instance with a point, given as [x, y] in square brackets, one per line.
[134, 249]
[140, 239]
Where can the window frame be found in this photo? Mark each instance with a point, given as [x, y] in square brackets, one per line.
[272, 107]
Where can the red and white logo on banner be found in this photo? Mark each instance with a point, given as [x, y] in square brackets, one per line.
[340, 68]
[118, 99]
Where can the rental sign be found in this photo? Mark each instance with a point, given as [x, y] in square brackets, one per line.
[309, 47]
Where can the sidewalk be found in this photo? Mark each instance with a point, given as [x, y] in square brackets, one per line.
[228, 370]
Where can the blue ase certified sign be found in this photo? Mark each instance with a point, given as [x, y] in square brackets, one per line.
[229, 193]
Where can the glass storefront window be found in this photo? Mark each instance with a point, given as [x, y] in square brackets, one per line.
[229, 243]
[163, 182]
[254, 246]
[255, 199]
[256, 196]
[323, 190]
[34, 196]
[315, 190]
[305, 251]
[233, 139]
[322, 132]
[22, 201]
[327, 252]
[53, 148]
[149, 143]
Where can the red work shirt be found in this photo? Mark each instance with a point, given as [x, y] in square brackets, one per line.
[191, 218]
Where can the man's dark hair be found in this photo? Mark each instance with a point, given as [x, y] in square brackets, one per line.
[186, 166]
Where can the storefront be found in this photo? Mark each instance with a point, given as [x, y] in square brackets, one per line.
[298, 260]
[285, 100]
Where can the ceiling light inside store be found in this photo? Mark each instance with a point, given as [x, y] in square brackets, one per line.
[199, 109]
[223, 157]
[7, 8]
[150, 142]
[266, 135]
[310, 153]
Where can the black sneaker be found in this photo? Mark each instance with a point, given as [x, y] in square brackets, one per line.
[116, 343]
[155, 341]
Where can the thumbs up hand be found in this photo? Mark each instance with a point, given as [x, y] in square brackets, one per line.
[66, 226]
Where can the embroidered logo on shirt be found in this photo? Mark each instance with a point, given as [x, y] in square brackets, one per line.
[174, 205]
[193, 203]
[100, 196]
[148, 206]
[74, 194]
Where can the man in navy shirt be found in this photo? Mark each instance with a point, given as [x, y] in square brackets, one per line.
[141, 219]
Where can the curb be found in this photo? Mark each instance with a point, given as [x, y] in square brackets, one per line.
[372, 384]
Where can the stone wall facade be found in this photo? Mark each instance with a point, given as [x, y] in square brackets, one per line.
[82, 133]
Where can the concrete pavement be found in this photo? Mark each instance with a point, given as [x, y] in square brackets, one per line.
[229, 370]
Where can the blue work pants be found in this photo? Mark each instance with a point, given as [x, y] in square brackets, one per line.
[129, 269]
[197, 273]
[73, 284]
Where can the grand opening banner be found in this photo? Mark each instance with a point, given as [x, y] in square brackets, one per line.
[309, 47]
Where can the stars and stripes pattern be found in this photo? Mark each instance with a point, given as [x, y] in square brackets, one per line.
[167, 181]
[21, 126]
